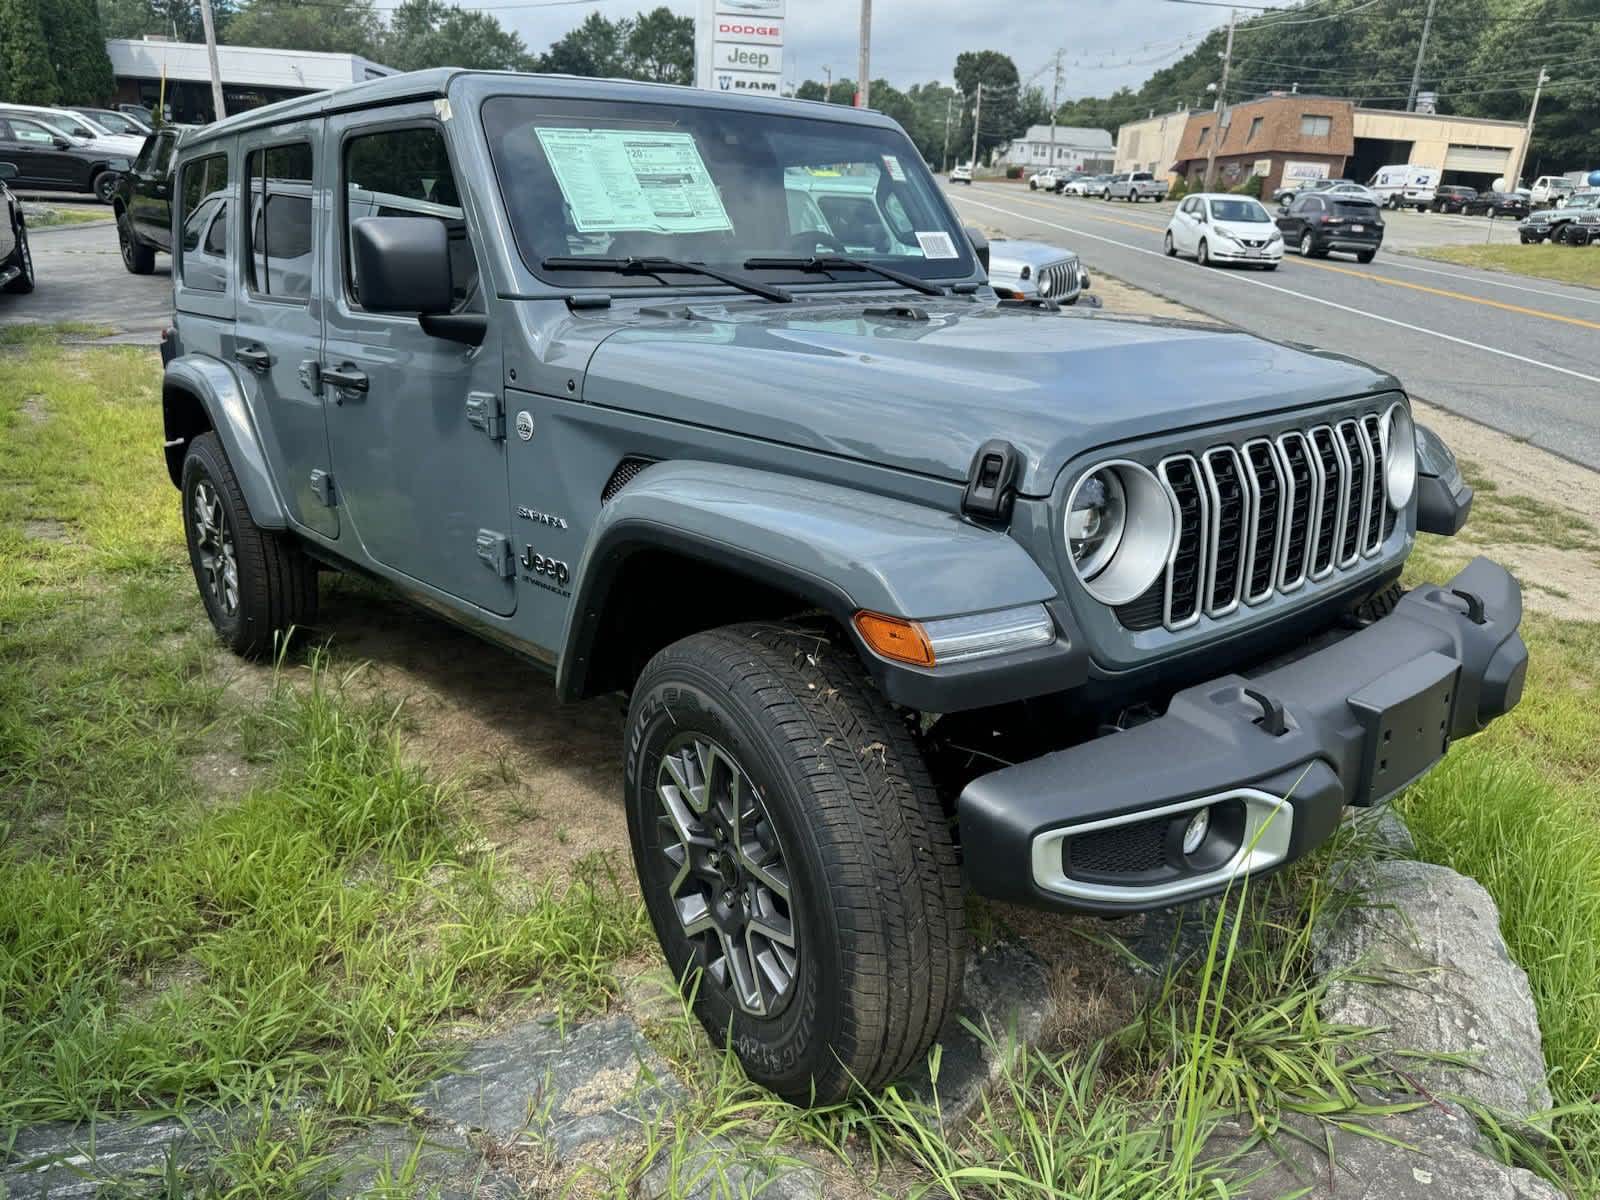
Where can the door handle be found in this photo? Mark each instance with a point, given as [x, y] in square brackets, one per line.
[345, 378]
[254, 357]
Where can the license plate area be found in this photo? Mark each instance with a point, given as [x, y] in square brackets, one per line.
[1406, 715]
[1358, 229]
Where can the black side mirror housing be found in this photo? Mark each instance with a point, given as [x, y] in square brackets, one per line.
[402, 264]
[980, 246]
[61, 143]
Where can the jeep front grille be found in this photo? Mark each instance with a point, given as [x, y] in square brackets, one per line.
[1261, 518]
[1062, 278]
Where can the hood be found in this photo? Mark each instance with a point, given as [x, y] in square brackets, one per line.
[113, 145]
[1255, 231]
[1020, 251]
[923, 395]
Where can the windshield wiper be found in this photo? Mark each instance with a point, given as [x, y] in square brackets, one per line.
[835, 262]
[667, 266]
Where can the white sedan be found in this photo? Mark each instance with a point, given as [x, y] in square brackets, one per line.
[1220, 228]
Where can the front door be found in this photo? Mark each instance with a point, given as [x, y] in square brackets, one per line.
[150, 198]
[418, 444]
[278, 327]
[40, 162]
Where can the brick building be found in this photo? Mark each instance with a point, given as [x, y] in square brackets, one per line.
[1282, 138]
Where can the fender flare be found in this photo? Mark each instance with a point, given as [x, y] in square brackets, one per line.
[839, 548]
[217, 389]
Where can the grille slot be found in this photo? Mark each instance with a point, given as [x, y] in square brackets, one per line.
[1063, 277]
[1265, 516]
[627, 470]
[1136, 849]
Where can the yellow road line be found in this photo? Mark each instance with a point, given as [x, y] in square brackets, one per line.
[1401, 283]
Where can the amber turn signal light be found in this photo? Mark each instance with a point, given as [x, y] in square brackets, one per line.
[901, 640]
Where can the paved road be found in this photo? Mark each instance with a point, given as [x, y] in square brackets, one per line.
[81, 278]
[1519, 354]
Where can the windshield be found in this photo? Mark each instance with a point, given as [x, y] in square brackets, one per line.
[117, 123]
[1359, 210]
[617, 180]
[1239, 210]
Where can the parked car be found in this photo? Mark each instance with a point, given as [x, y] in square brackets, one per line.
[822, 517]
[961, 173]
[1135, 186]
[1552, 190]
[1583, 229]
[49, 160]
[1319, 221]
[1337, 187]
[1452, 197]
[1404, 186]
[1550, 224]
[143, 202]
[81, 130]
[113, 122]
[1087, 185]
[16, 259]
[1027, 270]
[1496, 204]
[1221, 228]
[1050, 179]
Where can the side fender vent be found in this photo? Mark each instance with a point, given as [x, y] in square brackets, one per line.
[627, 470]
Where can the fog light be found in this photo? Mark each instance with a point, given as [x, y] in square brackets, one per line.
[1194, 834]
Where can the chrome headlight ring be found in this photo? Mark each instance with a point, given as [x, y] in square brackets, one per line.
[1142, 544]
[1397, 435]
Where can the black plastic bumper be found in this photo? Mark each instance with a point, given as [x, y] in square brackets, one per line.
[1272, 758]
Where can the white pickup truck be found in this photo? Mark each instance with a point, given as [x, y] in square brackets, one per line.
[1135, 186]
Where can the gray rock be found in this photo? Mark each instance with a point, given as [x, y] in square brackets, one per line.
[1435, 1164]
[1383, 831]
[1170, 937]
[64, 1160]
[534, 1084]
[1449, 985]
[720, 1168]
[442, 1168]
[1006, 995]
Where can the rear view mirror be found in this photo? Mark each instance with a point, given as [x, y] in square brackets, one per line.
[980, 246]
[402, 264]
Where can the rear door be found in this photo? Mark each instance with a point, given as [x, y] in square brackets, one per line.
[420, 453]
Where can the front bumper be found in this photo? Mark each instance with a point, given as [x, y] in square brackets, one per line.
[1223, 252]
[1273, 758]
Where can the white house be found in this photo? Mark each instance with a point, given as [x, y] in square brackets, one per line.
[1074, 149]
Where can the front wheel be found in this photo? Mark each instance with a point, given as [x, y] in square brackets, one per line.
[1202, 254]
[256, 584]
[1366, 256]
[1308, 247]
[1167, 247]
[795, 860]
[24, 260]
[104, 186]
[1032, 186]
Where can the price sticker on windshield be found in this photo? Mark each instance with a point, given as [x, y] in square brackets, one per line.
[937, 245]
[896, 171]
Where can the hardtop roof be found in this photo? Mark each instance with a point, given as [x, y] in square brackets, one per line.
[436, 83]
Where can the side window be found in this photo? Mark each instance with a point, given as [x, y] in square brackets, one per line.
[162, 159]
[27, 131]
[202, 192]
[406, 173]
[278, 233]
[216, 243]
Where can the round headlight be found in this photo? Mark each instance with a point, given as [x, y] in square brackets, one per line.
[1044, 283]
[1399, 441]
[1120, 523]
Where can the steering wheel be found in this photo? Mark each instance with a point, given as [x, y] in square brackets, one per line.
[807, 240]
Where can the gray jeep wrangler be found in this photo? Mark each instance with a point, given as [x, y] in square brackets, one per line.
[705, 399]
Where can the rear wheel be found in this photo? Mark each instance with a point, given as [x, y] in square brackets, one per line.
[24, 261]
[793, 852]
[1366, 256]
[136, 256]
[104, 186]
[1308, 246]
[256, 584]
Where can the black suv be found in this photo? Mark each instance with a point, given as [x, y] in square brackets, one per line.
[47, 159]
[1453, 197]
[1316, 223]
[143, 202]
[1496, 204]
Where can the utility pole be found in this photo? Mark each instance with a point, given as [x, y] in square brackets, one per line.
[977, 118]
[864, 62]
[828, 95]
[1516, 176]
[1422, 48]
[211, 52]
[1222, 103]
[1055, 104]
[949, 103]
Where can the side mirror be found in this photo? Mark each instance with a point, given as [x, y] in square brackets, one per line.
[8, 170]
[61, 143]
[1283, 210]
[402, 264]
[980, 246]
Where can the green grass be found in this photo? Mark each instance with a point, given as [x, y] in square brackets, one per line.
[1510, 518]
[43, 218]
[1565, 264]
[165, 945]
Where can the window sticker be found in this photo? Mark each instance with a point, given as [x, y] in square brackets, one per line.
[936, 245]
[634, 179]
[896, 171]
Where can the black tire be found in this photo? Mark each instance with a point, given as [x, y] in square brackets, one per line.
[1558, 234]
[274, 585]
[1308, 245]
[104, 186]
[136, 256]
[1202, 254]
[22, 257]
[1578, 237]
[874, 890]
[1366, 256]
[1269, 266]
[1167, 247]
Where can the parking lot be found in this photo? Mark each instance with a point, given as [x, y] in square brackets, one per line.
[1517, 354]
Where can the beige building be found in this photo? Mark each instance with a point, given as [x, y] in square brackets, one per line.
[1151, 144]
[1466, 150]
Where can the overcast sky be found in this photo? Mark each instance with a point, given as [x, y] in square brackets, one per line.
[914, 41]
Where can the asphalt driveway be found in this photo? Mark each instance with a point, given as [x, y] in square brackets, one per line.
[81, 278]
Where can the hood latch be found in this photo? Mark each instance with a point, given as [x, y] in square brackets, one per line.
[992, 481]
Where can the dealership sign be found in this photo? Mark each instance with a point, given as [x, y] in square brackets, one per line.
[739, 45]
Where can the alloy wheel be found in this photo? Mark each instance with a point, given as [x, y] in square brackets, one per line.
[219, 565]
[125, 239]
[730, 883]
[1306, 245]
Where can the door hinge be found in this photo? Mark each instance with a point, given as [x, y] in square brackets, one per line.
[487, 411]
[495, 550]
[322, 485]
